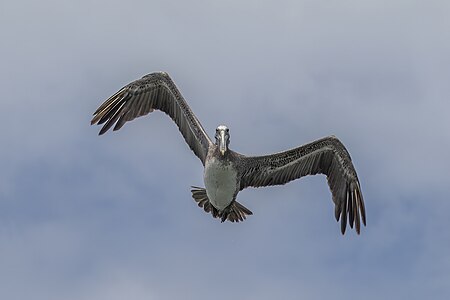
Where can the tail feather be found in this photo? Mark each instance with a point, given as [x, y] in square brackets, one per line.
[236, 212]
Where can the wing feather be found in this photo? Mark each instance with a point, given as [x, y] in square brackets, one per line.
[325, 156]
[139, 98]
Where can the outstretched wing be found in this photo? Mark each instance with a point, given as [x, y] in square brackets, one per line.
[153, 91]
[325, 156]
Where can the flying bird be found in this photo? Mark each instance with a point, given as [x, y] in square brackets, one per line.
[227, 172]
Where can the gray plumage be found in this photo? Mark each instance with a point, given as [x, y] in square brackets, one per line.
[153, 91]
[228, 172]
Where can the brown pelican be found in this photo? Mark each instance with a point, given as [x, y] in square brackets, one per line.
[227, 172]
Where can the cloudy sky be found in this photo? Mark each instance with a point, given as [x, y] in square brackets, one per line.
[111, 217]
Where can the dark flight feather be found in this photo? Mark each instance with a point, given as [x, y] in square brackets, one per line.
[153, 91]
[325, 156]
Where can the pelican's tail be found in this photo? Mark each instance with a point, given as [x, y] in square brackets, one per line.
[235, 212]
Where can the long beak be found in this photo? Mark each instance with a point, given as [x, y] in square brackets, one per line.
[222, 143]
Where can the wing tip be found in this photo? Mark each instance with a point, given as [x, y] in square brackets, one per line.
[351, 209]
[95, 121]
[103, 130]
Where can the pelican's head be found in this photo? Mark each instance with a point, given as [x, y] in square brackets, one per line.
[222, 138]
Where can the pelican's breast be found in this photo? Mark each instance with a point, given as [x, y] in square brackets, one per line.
[220, 182]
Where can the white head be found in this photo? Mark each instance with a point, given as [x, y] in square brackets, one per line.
[222, 138]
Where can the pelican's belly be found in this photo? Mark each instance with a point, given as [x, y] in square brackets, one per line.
[220, 183]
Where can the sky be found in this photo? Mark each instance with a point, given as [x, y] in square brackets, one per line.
[111, 217]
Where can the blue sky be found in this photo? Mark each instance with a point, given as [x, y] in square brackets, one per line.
[111, 217]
